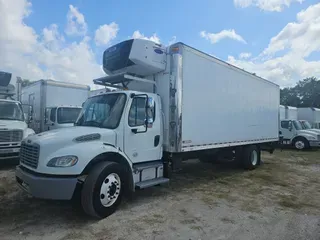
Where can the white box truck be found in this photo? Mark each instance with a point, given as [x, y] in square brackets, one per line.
[54, 104]
[13, 127]
[310, 114]
[182, 104]
[295, 132]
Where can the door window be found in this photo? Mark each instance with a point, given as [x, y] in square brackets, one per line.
[47, 115]
[285, 124]
[137, 113]
[53, 114]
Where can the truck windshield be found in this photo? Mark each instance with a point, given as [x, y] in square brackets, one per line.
[11, 111]
[102, 111]
[297, 125]
[67, 114]
[306, 125]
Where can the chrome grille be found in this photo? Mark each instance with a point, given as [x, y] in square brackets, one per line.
[11, 135]
[29, 154]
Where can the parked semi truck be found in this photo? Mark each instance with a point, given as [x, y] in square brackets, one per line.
[54, 104]
[174, 103]
[307, 126]
[13, 127]
[294, 132]
[310, 114]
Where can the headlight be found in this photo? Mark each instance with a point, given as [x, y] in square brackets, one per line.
[64, 161]
[312, 138]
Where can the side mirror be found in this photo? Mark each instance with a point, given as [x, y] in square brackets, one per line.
[290, 126]
[26, 117]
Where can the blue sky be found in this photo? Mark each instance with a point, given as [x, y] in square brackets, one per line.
[179, 18]
[253, 21]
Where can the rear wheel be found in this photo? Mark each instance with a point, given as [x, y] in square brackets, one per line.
[251, 157]
[103, 189]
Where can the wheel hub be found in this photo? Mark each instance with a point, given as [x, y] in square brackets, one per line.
[110, 190]
[254, 158]
[299, 145]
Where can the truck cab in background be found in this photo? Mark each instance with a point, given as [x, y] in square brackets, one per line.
[61, 116]
[13, 126]
[294, 134]
[307, 126]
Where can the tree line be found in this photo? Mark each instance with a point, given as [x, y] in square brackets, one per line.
[306, 93]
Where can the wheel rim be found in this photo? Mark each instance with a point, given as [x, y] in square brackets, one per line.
[299, 145]
[254, 157]
[110, 190]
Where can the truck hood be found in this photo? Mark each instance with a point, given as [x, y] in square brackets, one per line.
[12, 124]
[54, 140]
[309, 132]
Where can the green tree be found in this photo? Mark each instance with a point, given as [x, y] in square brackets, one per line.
[25, 82]
[306, 93]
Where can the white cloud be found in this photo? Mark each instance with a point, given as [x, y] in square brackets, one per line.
[153, 38]
[216, 37]
[45, 54]
[173, 40]
[266, 5]
[244, 55]
[76, 24]
[106, 33]
[285, 59]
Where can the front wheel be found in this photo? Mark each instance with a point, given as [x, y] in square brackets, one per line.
[301, 144]
[102, 190]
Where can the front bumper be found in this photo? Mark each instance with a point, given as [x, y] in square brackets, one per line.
[9, 152]
[55, 188]
[314, 143]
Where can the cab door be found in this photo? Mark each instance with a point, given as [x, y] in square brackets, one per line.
[50, 118]
[287, 131]
[143, 137]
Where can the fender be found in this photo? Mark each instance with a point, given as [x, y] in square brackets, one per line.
[85, 151]
[305, 136]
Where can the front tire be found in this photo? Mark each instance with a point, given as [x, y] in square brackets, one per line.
[301, 144]
[103, 189]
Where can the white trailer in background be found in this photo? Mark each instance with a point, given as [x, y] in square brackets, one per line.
[291, 113]
[310, 114]
[54, 104]
[182, 104]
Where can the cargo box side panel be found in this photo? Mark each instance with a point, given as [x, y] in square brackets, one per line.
[59, 95]
[306, 114]
[225, 106]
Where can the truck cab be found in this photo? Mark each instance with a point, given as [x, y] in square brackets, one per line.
[61, 116]
[13, 128]
[316, 125]
[307, 126]
[294, 134]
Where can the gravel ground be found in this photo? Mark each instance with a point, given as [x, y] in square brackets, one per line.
[279, 200]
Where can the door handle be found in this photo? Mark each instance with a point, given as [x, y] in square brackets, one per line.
[156, 140]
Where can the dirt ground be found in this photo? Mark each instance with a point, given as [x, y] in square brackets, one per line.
[279, 200]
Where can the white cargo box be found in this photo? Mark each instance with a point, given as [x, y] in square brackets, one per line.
[213, 104]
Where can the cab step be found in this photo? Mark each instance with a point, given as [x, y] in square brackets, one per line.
[152, 182]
